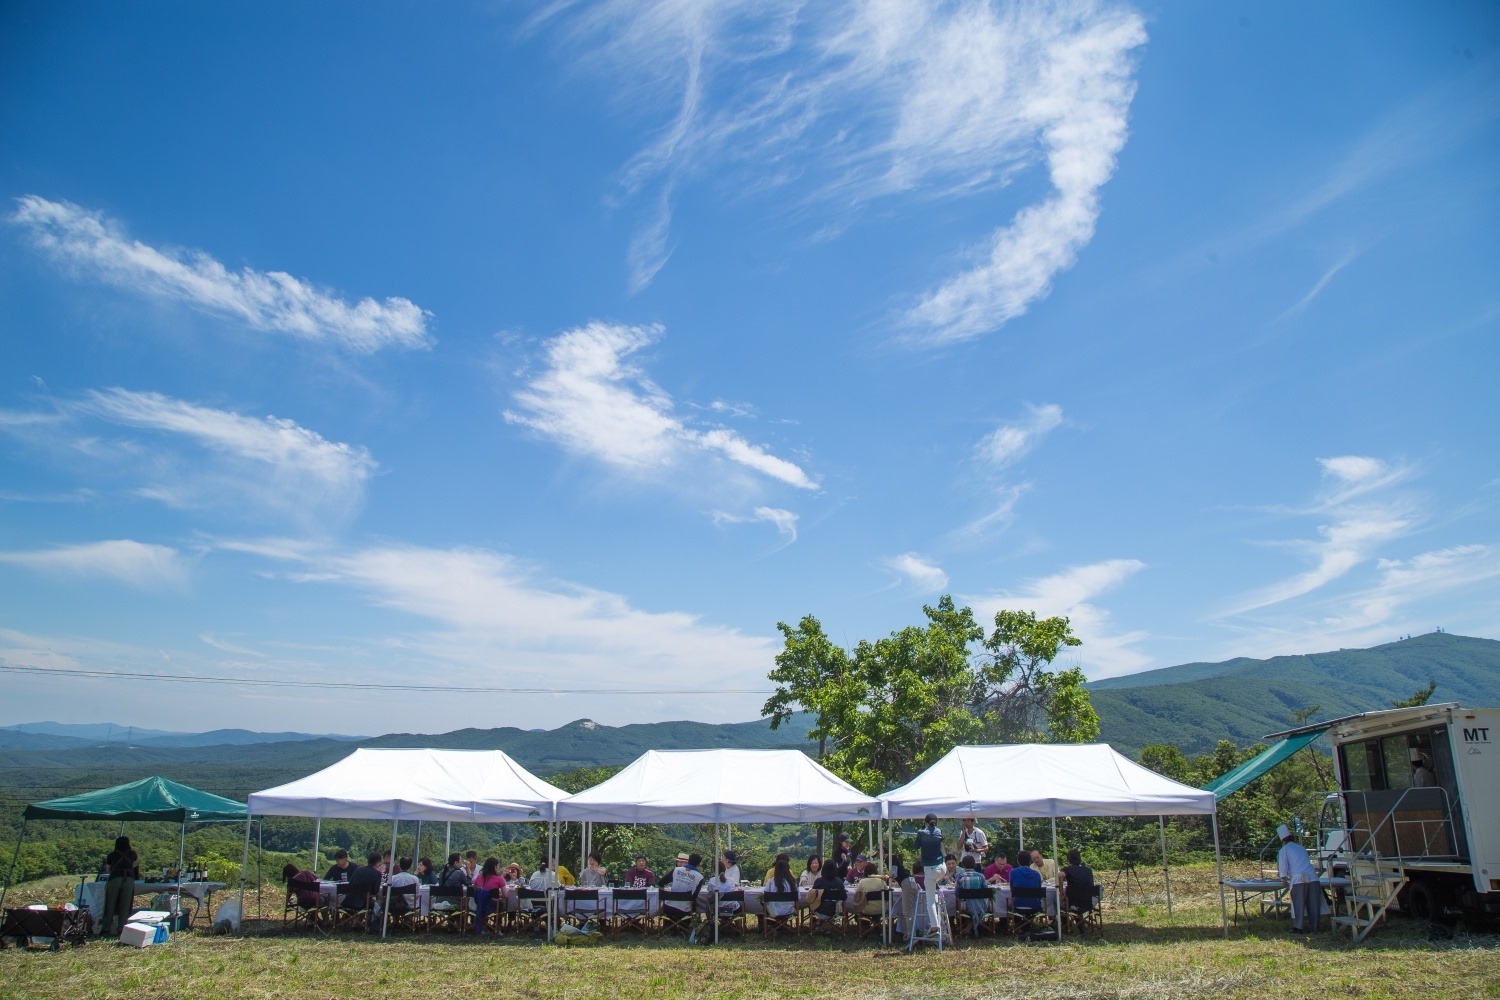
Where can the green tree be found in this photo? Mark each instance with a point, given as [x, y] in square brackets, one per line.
[1167, 760]
[1014, 691]
[1417, 698]
[895, 705]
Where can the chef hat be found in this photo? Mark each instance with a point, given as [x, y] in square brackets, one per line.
[1283, 832]
[1416, 756]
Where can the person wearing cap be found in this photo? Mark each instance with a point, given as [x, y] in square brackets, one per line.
[972, 843]
[1421, 774]
[1298, 874]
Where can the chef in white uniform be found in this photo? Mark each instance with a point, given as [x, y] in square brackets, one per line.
[1298, 874]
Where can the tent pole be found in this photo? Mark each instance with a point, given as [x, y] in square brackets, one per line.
[1166, 871]
[385, 911]
[317, 838]
[260, 856]
[416, 847]
[1055, 869]
[1219, 866]
[715, 893]
[583, 846]
[1020, 835]
[448, 842]
[181, 856]
[244, 867]
[14, 858]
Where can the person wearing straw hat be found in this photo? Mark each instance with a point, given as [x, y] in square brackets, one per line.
[1298, 874]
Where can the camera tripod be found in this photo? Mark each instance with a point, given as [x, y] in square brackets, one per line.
[1128, 873]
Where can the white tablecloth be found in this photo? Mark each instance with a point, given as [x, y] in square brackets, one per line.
[328, 891]
[91, 894]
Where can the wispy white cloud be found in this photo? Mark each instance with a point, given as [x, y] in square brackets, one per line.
[1001, 516]
[917, 572]
[98, 247]
[1355, 527]
[1007, 443]
[594, 401]
[496, 613]
[1072, 592]
[135, 563]
[1317, 288]
[258, 464]
[784, 521]
[853, 101]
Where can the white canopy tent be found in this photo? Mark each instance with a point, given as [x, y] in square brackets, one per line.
[722, 787]
[1028, 781]
[466, 786]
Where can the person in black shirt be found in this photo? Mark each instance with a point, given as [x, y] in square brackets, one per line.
[363, 884]
[454, 875]
[1078, 884]
[832, 891]
[123, 869]
[341, 869]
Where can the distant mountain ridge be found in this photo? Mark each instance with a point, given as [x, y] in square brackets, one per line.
[1195, 705]
[66, 736]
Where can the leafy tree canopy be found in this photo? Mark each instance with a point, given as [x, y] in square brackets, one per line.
[893, 706]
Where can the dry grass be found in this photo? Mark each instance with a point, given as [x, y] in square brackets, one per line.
[1140, 956]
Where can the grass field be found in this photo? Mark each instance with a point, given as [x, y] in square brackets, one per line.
[1140, 955]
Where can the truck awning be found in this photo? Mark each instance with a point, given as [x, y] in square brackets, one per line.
[1236, 778]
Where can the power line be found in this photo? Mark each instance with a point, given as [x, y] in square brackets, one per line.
[364, 685]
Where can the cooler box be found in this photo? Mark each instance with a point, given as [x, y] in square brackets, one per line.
[143, 935]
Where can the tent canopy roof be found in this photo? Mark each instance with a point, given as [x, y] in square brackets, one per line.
[1241, 775]
[722, 786]
[1039, 780]
[146, 800]
[460, 786]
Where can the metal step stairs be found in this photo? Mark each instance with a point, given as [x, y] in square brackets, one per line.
[1371, 893]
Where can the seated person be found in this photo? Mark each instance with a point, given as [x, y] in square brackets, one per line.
[869, 882]
[342, 867]
[471, 864]
[1023, 876]
[728, 879]
[686, 878]
[544, 877]
[827, 893]
[425, 873]
[594, 876]
[970, 877]
[780, 880]
[1046, 866]
[998, 870]
[857, 869]
[811, 872]
[1077, 884]
[402, 878]
[489, 876]
[911, 892]
[513, 874]
[489, 886]
[772, 870]
[665, 882]
[363, 883]
[453, 874]
[639, 875]
[303, 884]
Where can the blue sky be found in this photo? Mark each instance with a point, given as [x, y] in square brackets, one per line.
[568, 348]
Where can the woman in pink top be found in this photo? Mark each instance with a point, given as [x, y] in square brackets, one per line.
[490, 877]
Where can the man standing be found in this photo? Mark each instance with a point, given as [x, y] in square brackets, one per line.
[930, 850]
[1298, 874]
[972, 843]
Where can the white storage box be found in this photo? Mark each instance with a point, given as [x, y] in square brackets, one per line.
[143, 935]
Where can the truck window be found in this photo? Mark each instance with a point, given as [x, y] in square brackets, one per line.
[1395, 752]
[1357, 774]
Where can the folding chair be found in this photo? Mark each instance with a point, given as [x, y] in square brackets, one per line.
[579, 906]
[448, 909]
[531, 910]
[679, 912]
[633, 916]
[735, 920]
[297, 914]
[405, 915]
[1027, 903]
[819, 922]
[772, 925]
[967, 921]
[1084, 914]
[352, 909]
[867, 924]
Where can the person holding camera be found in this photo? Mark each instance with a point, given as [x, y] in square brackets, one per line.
[972, 843]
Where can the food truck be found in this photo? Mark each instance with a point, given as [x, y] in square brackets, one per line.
[1415, 823]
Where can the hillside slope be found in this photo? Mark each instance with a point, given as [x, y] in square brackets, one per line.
[1197, 704]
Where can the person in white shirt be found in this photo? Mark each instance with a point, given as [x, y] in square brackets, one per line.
[728, 879]
[1421, 774]
[972, 843]
[1298, 874]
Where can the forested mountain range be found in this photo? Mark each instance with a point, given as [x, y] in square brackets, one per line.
[1195, 705]
[1192, 706]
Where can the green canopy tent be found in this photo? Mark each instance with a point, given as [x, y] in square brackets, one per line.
[150, 800]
